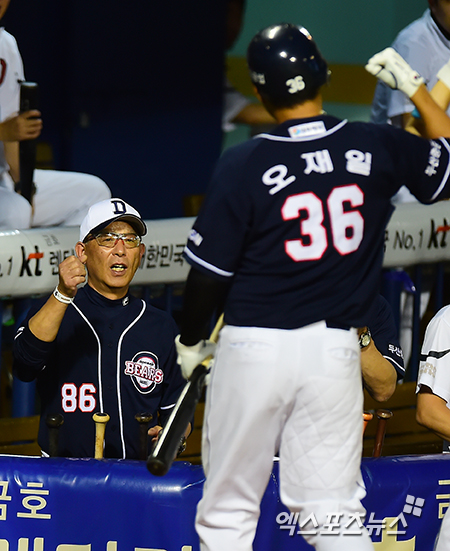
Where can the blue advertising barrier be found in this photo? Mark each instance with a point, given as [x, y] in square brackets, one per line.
[55, 504]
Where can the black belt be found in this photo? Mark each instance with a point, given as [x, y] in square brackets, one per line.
[337, 325]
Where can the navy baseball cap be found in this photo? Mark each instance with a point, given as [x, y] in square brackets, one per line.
[106, 212]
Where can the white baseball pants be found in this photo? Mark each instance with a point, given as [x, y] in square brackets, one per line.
[62, 198]
[443, 543]
[298, 392]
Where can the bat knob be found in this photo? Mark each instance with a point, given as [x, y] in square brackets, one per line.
[54, 420]
[100, 426]
[100, 417]
[143, 418]
[384, 413]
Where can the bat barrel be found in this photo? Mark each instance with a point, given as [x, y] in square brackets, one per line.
[165, 449]
[157, 466]
[29, 99]
[29, 96]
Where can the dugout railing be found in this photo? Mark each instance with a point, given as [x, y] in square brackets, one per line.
[84, 504]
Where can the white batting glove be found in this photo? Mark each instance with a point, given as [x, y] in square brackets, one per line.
[391, 68]
[444, 74]
[190, 356]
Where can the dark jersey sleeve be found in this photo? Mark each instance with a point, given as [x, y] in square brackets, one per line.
[30, 354]
[424, 165]
[384, 333]
[228, 210]
[196, 314]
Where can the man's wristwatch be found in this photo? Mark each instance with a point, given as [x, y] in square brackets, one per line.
[365, 338]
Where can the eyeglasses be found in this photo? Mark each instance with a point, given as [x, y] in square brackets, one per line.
[109, 240]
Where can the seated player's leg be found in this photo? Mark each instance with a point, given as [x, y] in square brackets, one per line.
[15, 211]
[443, 543]
[320, 451]
[63, 198]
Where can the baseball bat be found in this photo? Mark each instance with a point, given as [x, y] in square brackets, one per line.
[100, 425]
[27, 148]
[366, 418]
[383, 416]
[53, 422]
[143, 419]
[165, 449]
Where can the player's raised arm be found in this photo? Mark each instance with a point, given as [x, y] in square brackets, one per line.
[379, 375]
[441, 95]
[35, 338]
[441, 90]
[392, 69]
[46, 322]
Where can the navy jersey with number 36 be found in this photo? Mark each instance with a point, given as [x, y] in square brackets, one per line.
[295, 218]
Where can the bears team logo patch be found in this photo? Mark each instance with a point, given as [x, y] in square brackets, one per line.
[144, 372]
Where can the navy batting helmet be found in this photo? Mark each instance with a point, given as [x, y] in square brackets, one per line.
[286, 65]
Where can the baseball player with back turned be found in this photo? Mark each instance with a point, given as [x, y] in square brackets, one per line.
[99, 348]
[291, 236]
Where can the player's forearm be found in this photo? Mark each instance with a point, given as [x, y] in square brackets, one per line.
[434, 120]
[432, 413]
[5, 131]
[12, 158]
[202, 297]
[46, 322]
[441, 95]
[392, 69]
[379, 375]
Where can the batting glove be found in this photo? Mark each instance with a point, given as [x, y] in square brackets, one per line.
[190, 356]
[444, 74]
[391, 68]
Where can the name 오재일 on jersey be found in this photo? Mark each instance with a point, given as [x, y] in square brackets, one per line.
[144, 371]
[278, 176]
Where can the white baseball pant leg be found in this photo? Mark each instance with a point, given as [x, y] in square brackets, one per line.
[63, 198]
[15, 211]
[299, 392]
[443, 543]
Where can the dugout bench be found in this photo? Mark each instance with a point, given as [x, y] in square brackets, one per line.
[402, 434]
[18, 436]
